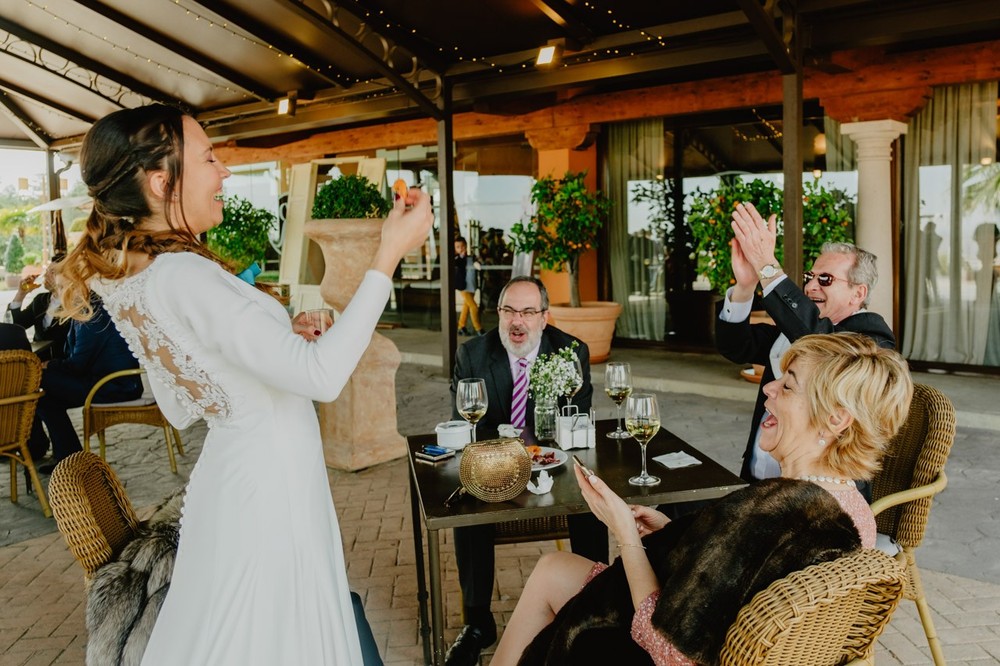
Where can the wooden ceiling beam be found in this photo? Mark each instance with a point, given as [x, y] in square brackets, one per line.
[99, 68]
[27, 126]
[568, 18]
[320, 65]
[45, 101]
[763, 25]
[207, 64]
[338, 35]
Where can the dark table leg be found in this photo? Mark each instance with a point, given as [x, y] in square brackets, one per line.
[437, 612]
[418, 550]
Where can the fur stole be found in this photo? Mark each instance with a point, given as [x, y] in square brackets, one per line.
[709, 566]
[125, 595]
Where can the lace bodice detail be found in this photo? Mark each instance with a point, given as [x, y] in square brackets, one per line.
[161, 353]
[217, 348]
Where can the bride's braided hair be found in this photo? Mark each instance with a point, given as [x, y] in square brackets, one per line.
[117, 152]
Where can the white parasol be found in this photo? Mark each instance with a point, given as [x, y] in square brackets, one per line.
[62, 203]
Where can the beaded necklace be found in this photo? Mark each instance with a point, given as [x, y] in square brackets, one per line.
[827, 479]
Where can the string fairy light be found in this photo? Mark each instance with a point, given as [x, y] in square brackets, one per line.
[128, 49]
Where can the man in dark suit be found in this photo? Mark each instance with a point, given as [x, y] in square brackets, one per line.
[94, 349]
[833, 300]
[496, 357]
[40, 313]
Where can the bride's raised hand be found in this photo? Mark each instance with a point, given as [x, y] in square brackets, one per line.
[406, 228]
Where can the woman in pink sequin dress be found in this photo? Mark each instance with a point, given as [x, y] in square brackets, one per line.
[829, 418]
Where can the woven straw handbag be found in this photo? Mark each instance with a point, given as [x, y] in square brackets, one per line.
[495, 470]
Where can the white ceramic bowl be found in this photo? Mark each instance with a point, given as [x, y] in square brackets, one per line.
[453, 434]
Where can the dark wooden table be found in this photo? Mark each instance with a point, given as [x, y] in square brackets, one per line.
[613, 461]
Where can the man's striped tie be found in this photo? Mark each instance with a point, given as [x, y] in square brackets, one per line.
[519, 401]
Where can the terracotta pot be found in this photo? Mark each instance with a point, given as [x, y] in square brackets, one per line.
[593, 322]
[359, 429]
[348, 249]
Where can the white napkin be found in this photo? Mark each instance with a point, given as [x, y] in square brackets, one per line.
[507, 430]
[543, 485]
[677, 460]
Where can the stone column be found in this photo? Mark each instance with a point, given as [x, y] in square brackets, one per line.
[874, 224]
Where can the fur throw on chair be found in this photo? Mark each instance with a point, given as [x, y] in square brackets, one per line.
[125, 595]
[709, 566]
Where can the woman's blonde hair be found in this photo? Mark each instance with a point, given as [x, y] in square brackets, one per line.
[117, 153]
[850, 372]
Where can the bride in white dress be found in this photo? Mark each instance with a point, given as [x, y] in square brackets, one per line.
[259, 576]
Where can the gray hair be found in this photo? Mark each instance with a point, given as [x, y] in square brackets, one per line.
[533, 280]
[865, 268]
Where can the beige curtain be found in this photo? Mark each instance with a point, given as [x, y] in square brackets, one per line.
[949, 249]
[840, 155]
[635, 151]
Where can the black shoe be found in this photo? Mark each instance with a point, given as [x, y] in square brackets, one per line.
[466, 648]
[480, 332]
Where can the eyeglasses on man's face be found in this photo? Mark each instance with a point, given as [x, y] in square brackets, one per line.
[824, 279]
[526, 314]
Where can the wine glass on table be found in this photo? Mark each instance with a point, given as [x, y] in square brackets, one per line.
[642, 419]
[577, 382]
[471, 401]
[618, 386]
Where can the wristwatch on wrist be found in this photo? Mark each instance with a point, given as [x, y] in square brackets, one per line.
[769, 271]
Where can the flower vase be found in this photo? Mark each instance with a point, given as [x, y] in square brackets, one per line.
[545, 421]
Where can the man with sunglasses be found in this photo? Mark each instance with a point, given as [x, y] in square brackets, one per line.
[500, 357]
[833, 299]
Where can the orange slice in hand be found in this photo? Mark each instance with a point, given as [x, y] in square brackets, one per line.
[399, 189]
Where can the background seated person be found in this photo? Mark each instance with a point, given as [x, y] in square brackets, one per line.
[501, 357]
[94, 349]
[671, 597]
[13, 337]
[40, 312]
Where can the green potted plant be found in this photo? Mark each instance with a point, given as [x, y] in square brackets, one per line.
[242, 237]
[709, 219]
[567, 220]
[827, 216]
[13, 260]
[350, 197]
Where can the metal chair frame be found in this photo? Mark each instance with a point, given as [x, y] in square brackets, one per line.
[20, 382]
[98, 417]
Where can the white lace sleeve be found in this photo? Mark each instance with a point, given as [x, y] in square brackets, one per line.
[227, 317]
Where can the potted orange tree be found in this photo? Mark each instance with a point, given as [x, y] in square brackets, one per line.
[565, 225]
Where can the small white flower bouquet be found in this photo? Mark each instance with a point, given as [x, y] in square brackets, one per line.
[554, 375]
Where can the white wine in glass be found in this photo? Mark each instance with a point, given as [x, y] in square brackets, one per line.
[618, 386]
[642, 419]
[471, 401]
[577, 380]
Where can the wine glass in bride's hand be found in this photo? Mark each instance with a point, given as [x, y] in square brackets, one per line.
[311, 324]
[642, 418]
[618, 386]
[471, 401]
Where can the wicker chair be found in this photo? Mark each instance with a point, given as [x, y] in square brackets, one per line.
[826, 614]
[20, 379]
[92, 510]
[97, 417]
[912, 474]
[533, 529]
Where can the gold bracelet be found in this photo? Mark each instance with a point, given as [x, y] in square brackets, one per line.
[631, 545]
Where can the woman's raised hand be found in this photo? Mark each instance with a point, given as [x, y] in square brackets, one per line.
[405, 229]
[756, 237]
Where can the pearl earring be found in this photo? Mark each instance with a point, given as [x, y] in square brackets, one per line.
[822, 442]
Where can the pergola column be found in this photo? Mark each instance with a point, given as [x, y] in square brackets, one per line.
[874, 220]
